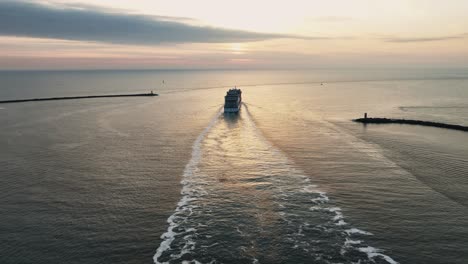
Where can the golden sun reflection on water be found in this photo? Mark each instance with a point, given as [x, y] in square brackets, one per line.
[238, 150]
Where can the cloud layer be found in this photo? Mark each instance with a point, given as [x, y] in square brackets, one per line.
[424, 39]
[28, 19]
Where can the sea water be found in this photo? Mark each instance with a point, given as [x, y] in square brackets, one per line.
[290, 179]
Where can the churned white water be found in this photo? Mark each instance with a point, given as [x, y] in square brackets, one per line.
[243, 200]
[291, 179]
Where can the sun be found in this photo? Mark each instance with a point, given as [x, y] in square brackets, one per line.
[237, 48]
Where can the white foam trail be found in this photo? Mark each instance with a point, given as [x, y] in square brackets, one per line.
[212, 245]
[323, 199]
[374, 252]
[310, 189]
[349, 244]
[352, 242]
[293, 184]
[357, 231]
[341, 223]
[191, 166]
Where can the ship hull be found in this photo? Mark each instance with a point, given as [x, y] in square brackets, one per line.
[231, 110]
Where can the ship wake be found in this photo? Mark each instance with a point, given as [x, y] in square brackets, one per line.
[244, 201]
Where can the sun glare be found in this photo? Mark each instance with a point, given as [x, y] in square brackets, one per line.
[237, 48]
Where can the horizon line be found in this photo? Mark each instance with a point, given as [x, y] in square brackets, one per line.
[242, 69]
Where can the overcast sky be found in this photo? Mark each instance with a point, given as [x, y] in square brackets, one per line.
[107, 34]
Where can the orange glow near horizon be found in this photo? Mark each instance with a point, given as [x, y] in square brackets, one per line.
[361, 32]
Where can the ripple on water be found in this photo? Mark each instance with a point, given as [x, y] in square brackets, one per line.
[243, 201]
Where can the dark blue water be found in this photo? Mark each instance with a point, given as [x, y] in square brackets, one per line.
[288, 180]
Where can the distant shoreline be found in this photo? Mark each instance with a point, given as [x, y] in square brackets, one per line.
[380, 120]
[75, 97]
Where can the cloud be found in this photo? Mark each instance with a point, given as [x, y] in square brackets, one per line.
[84, 23]
[424, 39]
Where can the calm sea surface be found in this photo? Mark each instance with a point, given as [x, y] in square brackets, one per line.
[290, 179]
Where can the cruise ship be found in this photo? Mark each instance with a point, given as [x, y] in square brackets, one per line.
[232, 101]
